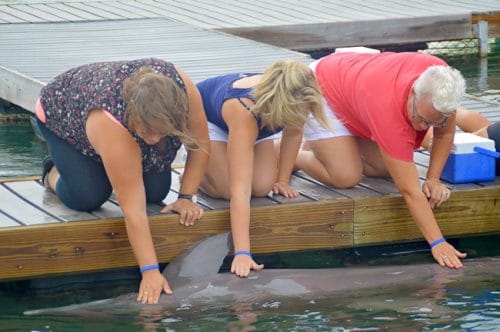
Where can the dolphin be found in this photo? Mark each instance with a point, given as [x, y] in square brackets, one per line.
[195, 279]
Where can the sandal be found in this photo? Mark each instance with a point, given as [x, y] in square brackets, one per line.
[47, 165]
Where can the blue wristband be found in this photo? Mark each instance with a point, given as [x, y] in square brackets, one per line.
[149, 267]
[243, 252]
[438, 241]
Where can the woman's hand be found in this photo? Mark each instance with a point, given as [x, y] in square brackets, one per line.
[285, 189]
[242, 264]
[446, 255]
[152, 284]
[436, 192]
[189, 212]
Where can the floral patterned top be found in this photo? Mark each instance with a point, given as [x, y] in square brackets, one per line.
[69, 97]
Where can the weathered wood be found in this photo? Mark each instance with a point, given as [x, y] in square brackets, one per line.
[296, 227]
[99, 245]
[383, 186]
[387, 219]
[43, 15]
[354, 193]
[493, 19]
[373, 32]
[19, 14]
[25, 213]
[7, 221]
[46, 200]
[82, 12]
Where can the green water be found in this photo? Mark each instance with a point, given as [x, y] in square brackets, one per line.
[21, 151]
[456, 307]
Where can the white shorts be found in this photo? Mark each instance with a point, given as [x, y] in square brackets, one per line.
[313, 131]
[217, 134]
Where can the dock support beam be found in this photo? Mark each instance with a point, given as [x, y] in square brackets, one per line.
[481, 30]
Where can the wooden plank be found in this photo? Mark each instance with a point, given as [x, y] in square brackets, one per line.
[108, 210]
[44, 16]
[250, 15]
[99, 245]
[46, 200]
[7, 17]
[69, 12]
[284, 228]
[354, 193]
[136, 8]
[313, 191]
[95, 8]
[83, 11]
[386, 219]
[23, 16]
[210, 14]
[340, 9]
[198, 52]
[107, 8]
[22, 211]
[493, 20]
[7, 221]
[368, 33]
[391, 10]
[383, 186]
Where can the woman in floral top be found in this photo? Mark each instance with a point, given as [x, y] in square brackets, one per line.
[117, 126]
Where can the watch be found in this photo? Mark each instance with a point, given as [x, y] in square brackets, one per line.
[192, 198]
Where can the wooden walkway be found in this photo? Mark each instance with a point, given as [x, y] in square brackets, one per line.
[306, 24]
[33, 53]
[40, 40]
[39, 236]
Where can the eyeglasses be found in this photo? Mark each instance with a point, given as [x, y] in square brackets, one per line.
[439, 124]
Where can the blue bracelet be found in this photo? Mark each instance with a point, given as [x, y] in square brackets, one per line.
[243, 252]
[438, 241]
[149, 267]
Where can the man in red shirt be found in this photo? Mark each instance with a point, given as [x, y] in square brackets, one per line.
[380, 107]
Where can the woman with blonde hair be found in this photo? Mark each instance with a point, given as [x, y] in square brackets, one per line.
[244, 112]
[117, 126]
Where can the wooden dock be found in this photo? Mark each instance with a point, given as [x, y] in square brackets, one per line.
[39, 236]
[40, 40]
[299, 25]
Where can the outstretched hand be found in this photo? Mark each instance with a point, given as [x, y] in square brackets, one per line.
[189, 212]
[436, 192]
[242, 264]
[285, 189]
[153, 283]
[446, 255]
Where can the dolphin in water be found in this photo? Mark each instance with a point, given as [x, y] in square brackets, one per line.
[194, 276]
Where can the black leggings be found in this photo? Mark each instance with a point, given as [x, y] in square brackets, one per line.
[494, 134]
[84, 184]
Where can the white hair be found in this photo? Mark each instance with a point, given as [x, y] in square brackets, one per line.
[445, 87]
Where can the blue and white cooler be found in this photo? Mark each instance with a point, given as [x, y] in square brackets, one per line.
[472, 159]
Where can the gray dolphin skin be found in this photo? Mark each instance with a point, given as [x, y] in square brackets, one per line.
[195, 280]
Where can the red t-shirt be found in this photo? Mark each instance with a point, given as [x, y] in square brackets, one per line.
[368, 92]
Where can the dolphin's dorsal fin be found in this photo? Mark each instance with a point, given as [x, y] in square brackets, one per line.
[202, 259]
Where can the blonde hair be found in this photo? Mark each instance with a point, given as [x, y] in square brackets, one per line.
[285, 95]
[157, 104]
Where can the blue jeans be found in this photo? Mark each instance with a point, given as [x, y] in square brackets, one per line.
[84, 185]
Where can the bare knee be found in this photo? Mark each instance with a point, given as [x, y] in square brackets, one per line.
[345, 181]
[214, 189]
